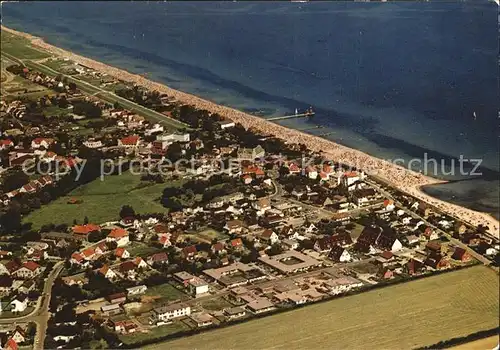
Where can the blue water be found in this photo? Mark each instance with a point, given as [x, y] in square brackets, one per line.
[395, 80]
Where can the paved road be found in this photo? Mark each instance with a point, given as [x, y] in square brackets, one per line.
[105, 95]
[40, 315]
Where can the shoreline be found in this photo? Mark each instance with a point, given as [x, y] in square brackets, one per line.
[397, 176]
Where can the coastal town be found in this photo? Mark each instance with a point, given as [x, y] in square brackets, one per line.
[130, 215]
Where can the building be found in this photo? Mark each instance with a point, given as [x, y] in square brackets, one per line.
[29, 269]
[290, 261]
[234, 313]
[168, 312]
[339, 254]
[260, 305]
[224, 124]
[118, 235]
[19, 304]
[197, 286]
[137, 290]
[202, 319]
[251, 153]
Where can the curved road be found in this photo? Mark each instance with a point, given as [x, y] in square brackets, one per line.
[40, 314]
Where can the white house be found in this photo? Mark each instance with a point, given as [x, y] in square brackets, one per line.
[118, 235]
[197, 286]
[29, 269]
[154, 129]
[19, 304]
[65, 338]
[107, 272]
[226, 124]
[168, 312]
[137, 290]
[396, 245]
[93, 143]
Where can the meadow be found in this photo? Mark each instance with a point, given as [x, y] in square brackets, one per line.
[101, 201]
[407, 315]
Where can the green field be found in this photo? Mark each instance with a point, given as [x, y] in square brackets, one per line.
[403, 316]
[166, 292]
[141, 249]
[20, 47]
[101, 201]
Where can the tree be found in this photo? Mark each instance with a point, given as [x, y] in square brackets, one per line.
[15, 180]
[86, 220]
[127, 211]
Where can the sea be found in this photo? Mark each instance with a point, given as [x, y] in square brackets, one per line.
[398, 80]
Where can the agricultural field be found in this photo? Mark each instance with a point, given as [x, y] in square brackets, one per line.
[407, 315]
[101, 201]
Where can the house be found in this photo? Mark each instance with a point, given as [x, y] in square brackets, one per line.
[6, 143]
[164, 240]
[339, 254]
[117, 298]
[84, 230]
[251, 153]
[350, 178]
[9, 267]
[168, 312]
[19, 335]
[129, 141]
[218, 248]
[234, 226]
[10, 345]
[412, 239]
[436, 261]
[461, 255]
[236, 243]
[183, 277]
[157, 258]
[29, 269]
[189, 252]
[234, 313]
[93, 143]
[290, 243]
[385, 273]
[430, 234]
[269, 237]
[64, 338]
[262, 204]
[414, 267]
[107, 272]
[389, 205]
[41, 142]
[202, 319]
[323, 245]
[197, 286]
[19, 304]
[141, 289]
[118, 235]
[111, 309]
[122, 253]
[260, 305]
[225, 124]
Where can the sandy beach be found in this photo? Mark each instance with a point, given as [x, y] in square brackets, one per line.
[399, 177]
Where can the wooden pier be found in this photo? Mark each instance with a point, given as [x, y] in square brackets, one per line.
[298, 115]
